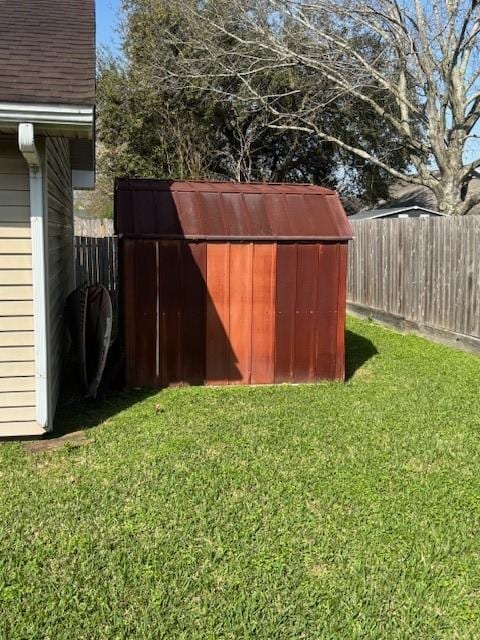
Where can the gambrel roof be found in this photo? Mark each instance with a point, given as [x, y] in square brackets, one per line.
[228, 210]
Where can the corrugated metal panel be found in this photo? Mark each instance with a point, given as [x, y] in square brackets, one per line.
[263, 313]
[170, 312]
[306, 313]
[228, 211]
[229, 313]
[194, 264]
[285, 312]
[218, 317]
[240, 321]
[328, 301]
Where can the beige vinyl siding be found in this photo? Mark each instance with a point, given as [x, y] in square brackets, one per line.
[17, 368]
[59, 255]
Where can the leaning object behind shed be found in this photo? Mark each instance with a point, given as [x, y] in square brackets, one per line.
[89, 312]
[231, 283]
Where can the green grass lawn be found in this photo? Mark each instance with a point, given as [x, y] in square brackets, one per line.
[303, 512]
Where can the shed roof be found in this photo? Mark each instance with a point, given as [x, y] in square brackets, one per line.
[47, 51]
[228, 211]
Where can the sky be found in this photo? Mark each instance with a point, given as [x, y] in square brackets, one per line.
[107, 21]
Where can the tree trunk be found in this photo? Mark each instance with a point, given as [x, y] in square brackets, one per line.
[449, 196]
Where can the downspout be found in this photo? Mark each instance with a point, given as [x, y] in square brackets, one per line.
[26, 144]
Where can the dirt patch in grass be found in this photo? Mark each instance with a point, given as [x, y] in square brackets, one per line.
[75, 439]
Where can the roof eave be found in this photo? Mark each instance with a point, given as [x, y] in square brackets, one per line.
[71, 120]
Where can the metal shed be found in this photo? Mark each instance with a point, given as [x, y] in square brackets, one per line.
[228, 283]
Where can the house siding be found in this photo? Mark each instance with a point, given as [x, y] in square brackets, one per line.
[17, 367]
[59, 234]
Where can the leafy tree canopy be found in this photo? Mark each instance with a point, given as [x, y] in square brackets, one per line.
[154, 120]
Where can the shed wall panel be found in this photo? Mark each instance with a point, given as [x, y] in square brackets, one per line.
[218, 349]
[241, 311]
[306, 313]
[286, 286]
[194, 265]
[170, 297]
[129, 309]
[327, 309]
[263, 316]
[146, 306]
[342, 253]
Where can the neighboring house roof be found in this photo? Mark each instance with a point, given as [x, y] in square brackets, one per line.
[217, 210]
[47, 52]
[403, 195]
[392, 211]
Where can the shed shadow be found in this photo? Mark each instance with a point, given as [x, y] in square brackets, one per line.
[358, 351]
[76, 414]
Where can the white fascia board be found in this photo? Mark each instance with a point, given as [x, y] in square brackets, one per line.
[434, 211]
[47, 114]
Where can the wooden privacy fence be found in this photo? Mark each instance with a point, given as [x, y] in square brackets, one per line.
[96, 258]
[419, 274]
[93, 227]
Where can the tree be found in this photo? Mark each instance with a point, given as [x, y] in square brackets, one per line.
[408, 68]
[158, 117]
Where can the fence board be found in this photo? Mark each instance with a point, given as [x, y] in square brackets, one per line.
[96, 262]
[424, 271]
[93, 227]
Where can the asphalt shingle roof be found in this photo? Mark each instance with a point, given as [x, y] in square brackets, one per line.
[47, 51]
[391, 211]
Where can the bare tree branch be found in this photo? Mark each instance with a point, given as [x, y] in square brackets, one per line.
[413, 64]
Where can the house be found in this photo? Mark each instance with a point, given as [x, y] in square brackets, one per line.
[47, 102]
[412, 211]
[403, 194]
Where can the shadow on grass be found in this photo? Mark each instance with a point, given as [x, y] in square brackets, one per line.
[358, 351]
[76, 413]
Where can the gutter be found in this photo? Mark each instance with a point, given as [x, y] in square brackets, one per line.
[26, 144]
[48, 114]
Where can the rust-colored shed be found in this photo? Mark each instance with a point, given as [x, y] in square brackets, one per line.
[227, 283]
